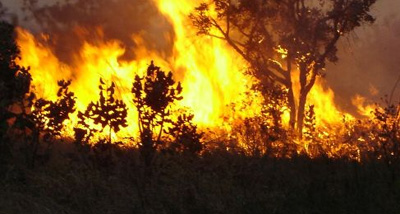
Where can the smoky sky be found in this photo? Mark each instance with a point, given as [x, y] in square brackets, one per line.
[369, 58]
[68, 21]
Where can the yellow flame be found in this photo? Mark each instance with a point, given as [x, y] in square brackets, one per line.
[326, 111]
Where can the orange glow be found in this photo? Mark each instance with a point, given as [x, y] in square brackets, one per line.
[363, 107]
[211, 73]
[326, 111]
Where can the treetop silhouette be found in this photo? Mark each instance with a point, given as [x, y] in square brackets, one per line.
[106, 112]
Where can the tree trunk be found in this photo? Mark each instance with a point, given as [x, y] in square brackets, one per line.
[292, 108]
[302, 98]
[300, 113]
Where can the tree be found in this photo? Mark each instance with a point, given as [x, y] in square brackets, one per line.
[15, 83]
[153, 95]
[280, 37]
[106, 112]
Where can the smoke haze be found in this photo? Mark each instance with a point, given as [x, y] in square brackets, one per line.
[369, 60]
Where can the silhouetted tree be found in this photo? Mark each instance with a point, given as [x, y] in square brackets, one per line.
[15, 83]
[14, 79]
[280, 37]
[46, 122]
[153, 95]
[107, 112]
[60, 110]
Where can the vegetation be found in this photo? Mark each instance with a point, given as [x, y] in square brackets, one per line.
[153, 95]
[173, 167]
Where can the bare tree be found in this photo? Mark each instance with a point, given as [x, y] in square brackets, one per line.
[279, 37]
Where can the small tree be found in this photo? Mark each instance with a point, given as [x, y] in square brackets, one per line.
[107, 112]
[153, 95]
[59, 111]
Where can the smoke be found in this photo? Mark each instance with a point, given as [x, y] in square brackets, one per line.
[369, 60]
[66, 22]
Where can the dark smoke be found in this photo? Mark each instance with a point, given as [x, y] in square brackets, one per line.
[119, 20]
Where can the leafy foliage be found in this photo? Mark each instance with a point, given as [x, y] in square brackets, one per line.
[265, 133]
[60, 110]
[107, 112]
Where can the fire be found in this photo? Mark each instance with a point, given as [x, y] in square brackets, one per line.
[363, 107]
[211, 73]
[326, 111]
